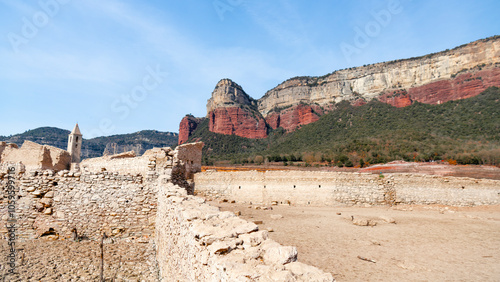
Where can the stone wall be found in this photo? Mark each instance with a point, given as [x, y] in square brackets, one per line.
[123, 163]
[328, 188]
[35, 156]
[54, 204]
[182, 163]
[197, 242]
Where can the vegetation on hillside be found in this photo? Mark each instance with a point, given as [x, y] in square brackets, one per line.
[464, 132]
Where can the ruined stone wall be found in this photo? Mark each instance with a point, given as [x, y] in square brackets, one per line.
[197, 242]
[327, 188]
[132, 165]
[35, 156]
[48, 203]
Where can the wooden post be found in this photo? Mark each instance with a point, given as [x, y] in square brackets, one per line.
[102, 256]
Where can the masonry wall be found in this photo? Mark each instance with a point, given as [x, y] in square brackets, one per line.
[133, 165]
[197, 242]
[35, 156]
[328, 188]
[48, 203]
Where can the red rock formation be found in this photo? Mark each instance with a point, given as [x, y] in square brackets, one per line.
[186, 127]
[397, 98]
[237, 121]
[462, 86]
[291, 118]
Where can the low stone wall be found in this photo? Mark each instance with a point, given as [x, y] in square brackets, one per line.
[197, 242]
[328, 188]
[131, 164]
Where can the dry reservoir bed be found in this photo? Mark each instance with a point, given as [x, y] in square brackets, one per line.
[426, 243]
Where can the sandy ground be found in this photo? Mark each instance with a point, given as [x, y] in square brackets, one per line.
[427, 243]
[42, 260]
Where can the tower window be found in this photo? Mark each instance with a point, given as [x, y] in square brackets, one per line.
[76, 146]
[76, 138]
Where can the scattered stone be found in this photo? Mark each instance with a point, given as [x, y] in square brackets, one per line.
[387, 219]
[276, 216]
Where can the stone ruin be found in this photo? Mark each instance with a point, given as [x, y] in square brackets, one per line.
[34, 156]
[144, 199]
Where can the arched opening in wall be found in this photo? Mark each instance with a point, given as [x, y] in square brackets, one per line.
[294, 186]
[239, 187]
[76, 138]
[319, 186]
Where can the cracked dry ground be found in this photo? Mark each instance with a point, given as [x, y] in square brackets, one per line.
[42, 260]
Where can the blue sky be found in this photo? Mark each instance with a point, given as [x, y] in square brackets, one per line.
[123, 66]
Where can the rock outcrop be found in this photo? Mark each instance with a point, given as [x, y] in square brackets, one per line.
[460, 73]
[294, 117]
[188, 125]
[232, 111]
[238, 121]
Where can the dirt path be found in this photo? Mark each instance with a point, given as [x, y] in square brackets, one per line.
[427, 243]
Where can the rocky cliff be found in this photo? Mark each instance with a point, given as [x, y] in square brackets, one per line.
[460, 73]
[188, 125]
[449, 75]
[232, 111]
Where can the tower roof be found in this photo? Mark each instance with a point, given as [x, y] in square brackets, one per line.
[76, 130]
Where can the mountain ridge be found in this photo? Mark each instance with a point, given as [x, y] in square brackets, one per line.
[465, 131]
[462, 72]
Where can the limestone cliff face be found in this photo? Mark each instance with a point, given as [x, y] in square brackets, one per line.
[459, 73]
[455, 74]
[226, 94]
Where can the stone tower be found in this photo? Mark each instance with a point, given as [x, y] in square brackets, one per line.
[75, 144]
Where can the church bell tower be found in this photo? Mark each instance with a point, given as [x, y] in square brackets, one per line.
[75, 144]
